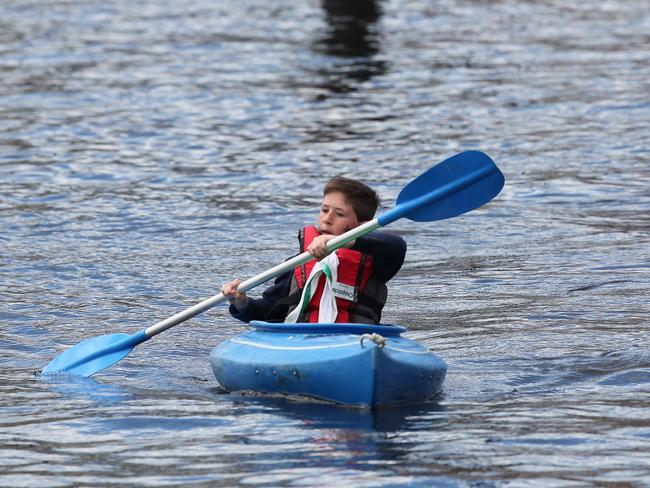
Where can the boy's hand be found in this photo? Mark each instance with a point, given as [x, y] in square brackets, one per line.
[318, 247]
[238, 299]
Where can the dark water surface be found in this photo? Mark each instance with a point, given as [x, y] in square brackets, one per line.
[150, 151]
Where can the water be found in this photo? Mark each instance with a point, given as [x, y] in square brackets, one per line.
[150, 152]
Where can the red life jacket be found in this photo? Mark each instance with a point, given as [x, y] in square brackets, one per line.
[360, 296]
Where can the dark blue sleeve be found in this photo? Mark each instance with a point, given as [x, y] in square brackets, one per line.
[387, 250]
[264, 308]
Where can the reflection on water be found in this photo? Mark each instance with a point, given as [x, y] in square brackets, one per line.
[353, 35]
[326, 415]
[149, 153]
[353, 30]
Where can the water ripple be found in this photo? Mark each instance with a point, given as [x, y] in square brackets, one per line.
[150, 152]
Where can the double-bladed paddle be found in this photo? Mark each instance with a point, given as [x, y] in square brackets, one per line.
[453, 187]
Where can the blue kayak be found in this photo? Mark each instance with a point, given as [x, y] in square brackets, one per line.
[359, 365]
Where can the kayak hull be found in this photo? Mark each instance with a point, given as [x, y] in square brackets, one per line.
[335, 362]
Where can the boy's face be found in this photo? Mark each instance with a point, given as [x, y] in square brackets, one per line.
[336, 215]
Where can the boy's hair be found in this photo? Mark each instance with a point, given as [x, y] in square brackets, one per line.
[363, 199]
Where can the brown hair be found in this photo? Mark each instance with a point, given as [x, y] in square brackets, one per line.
[363, 199]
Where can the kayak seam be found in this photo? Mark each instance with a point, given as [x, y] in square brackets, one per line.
[291, 348]
[304, 348]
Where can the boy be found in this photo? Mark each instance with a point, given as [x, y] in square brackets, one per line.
[362, 267]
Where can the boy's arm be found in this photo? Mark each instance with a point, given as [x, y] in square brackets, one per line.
[259, 308]
[388, 252]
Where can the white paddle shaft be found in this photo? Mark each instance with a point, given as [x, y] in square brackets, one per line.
[256, 280]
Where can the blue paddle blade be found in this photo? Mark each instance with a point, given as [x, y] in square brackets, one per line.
[93, 355]
[457, 185]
